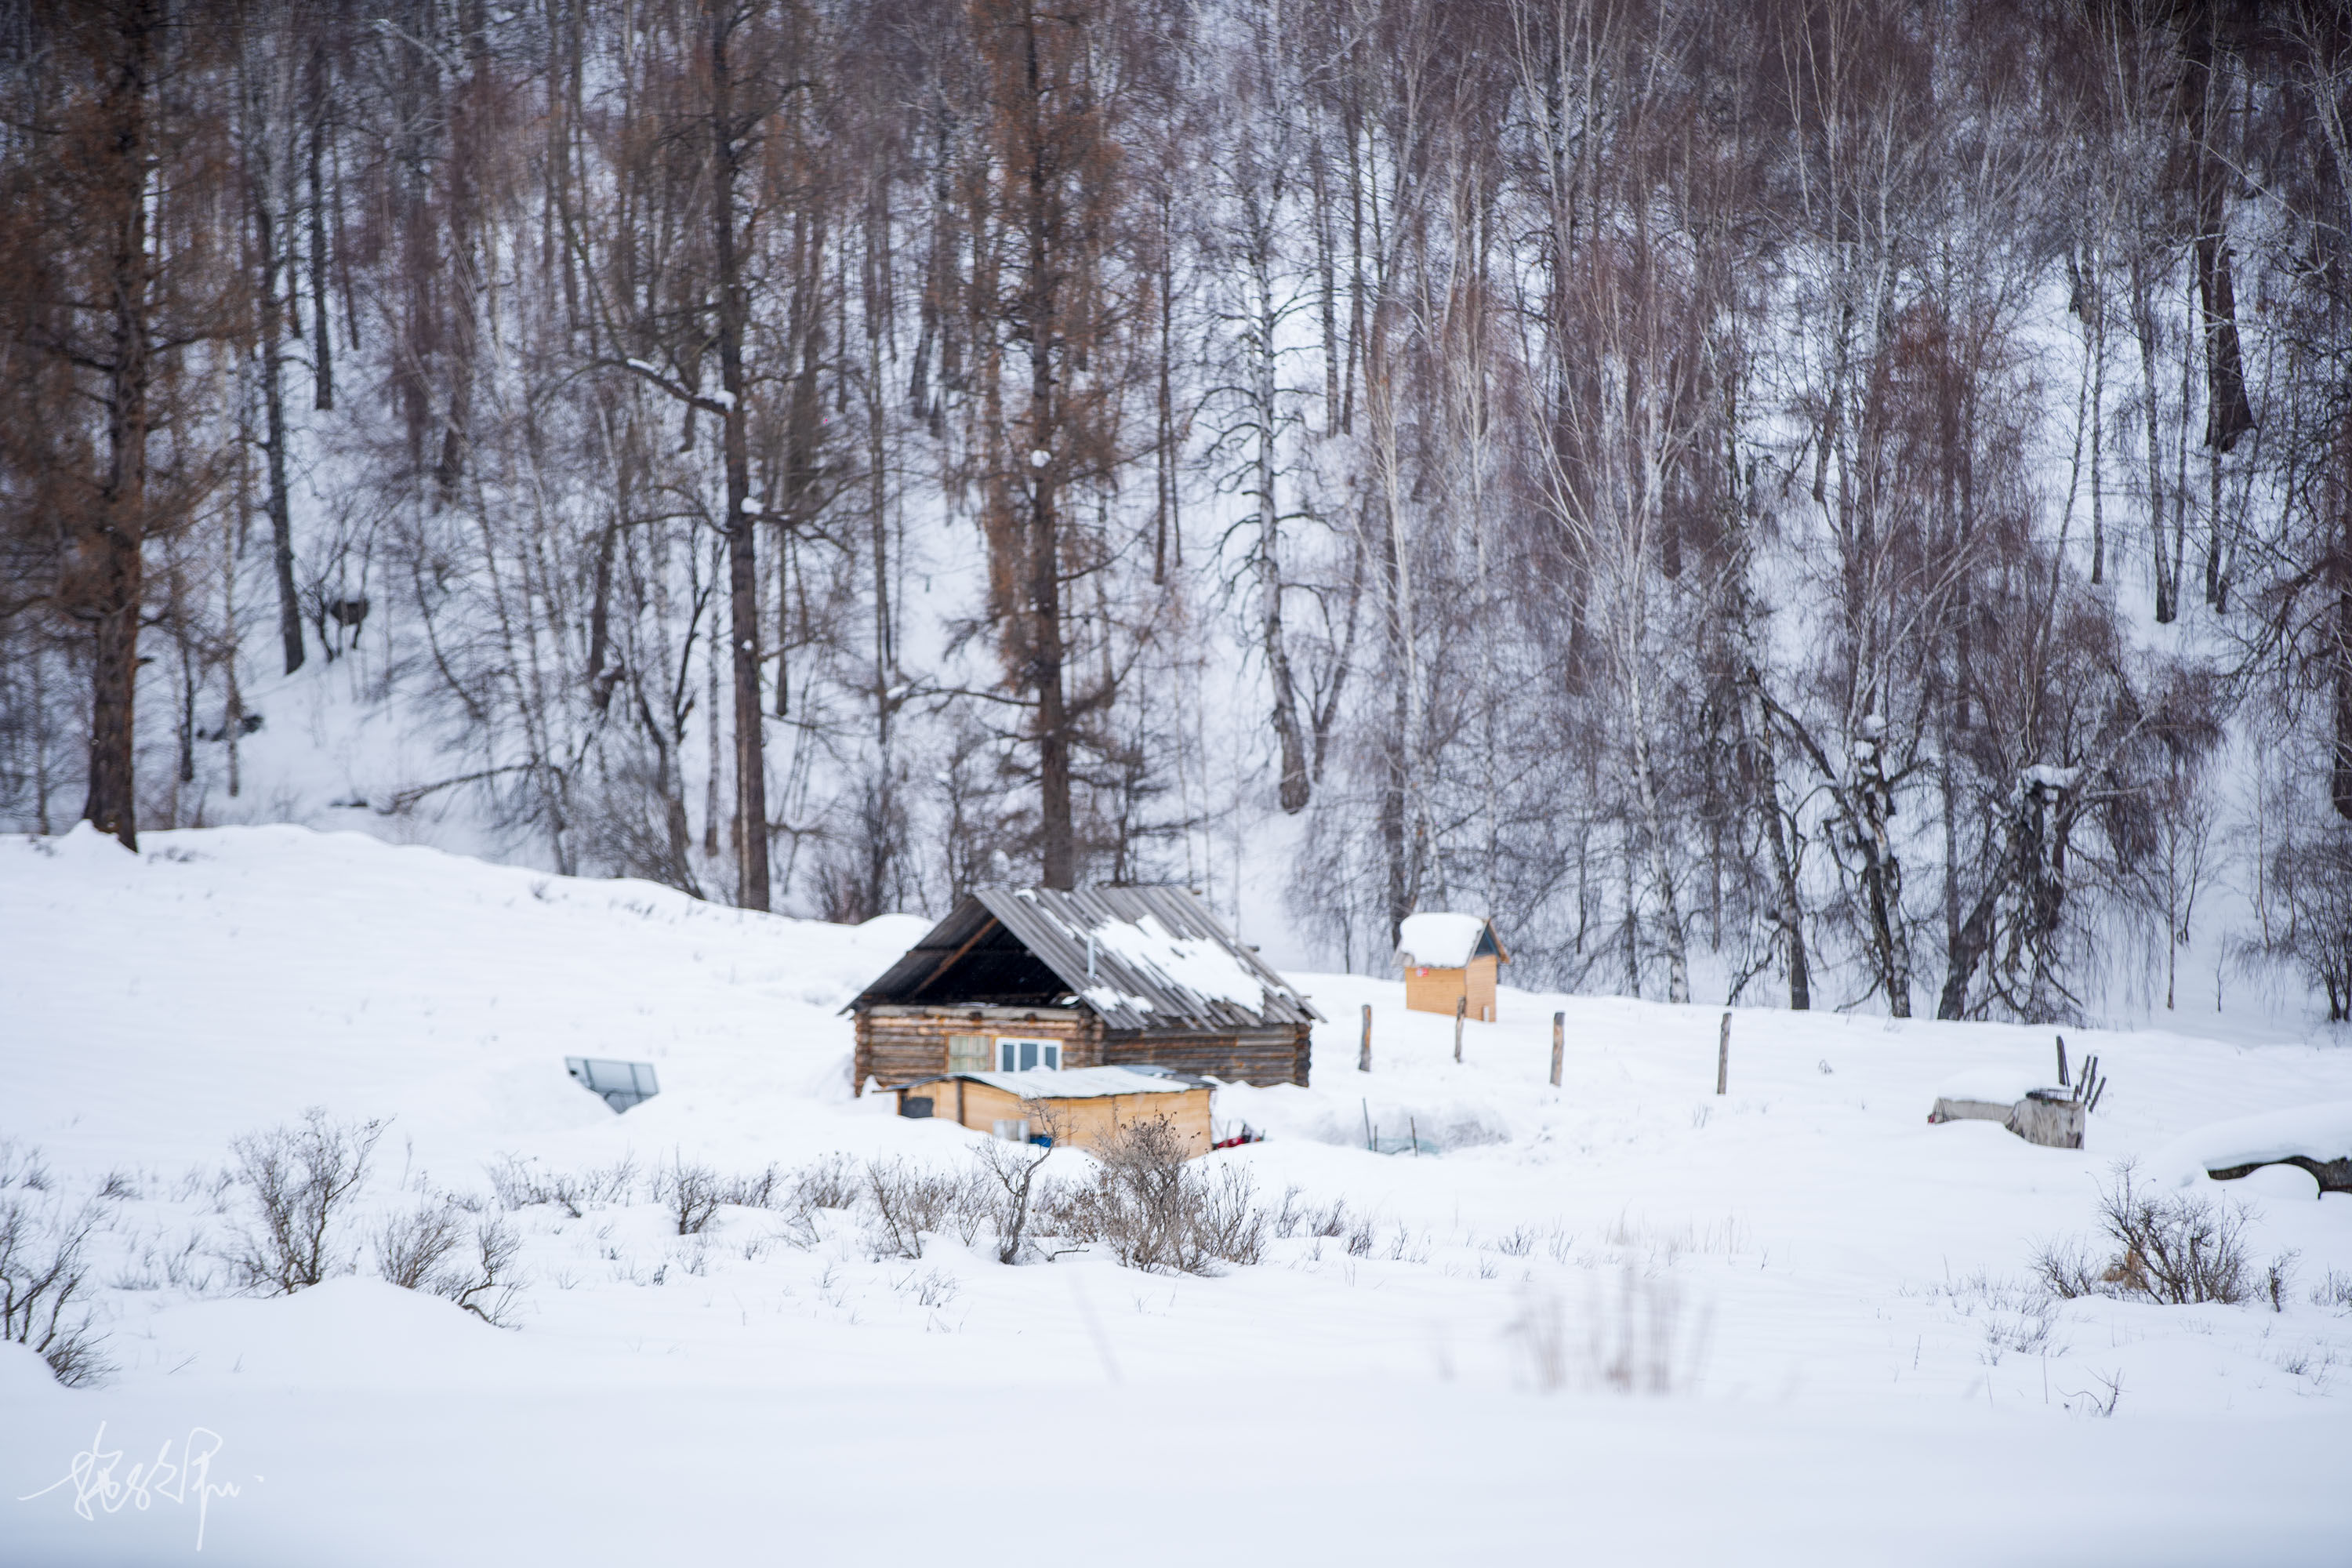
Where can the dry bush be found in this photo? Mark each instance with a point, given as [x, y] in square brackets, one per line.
[1008, 1174]
[21, 1165]
[411, 1248]
[902, 1202]
[759, 1191]
[831, 1183]
[440, 1249]
[1295, 1219]
[43, 1272]
[2066, 1271]
[2334, 1292]
[690, 1192]
[1153, 1210]
[518, 1184]
[2177, 1249]
[300, 1179]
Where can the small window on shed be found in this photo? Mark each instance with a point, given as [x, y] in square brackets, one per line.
[967, 1053]
[1015, 1131]
[1020, 1056]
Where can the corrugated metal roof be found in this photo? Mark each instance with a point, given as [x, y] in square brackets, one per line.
[1070, 1083]
[1142, 958]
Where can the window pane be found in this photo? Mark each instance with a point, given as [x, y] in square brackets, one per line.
[1028, 1054]
[967, 1053]
[1052, 1054]
[1004, 1055]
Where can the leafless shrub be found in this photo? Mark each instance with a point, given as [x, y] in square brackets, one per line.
[759, 1192]
[182, 1261]
[300, 1179]
[409, 1247]
[2066, 1271]
[2334, 1292]
[519, 1183]
[1010, 1170]
[931, 1287]
[484, 1283]
[44, 1270]
[1154, 1211]
[831, 1183]
[440, 1249]
[2177, 1248]
[121, 1187]
[974, 1207]
[1403, 1248]
[1295, 1219]
[690, 1192]
[902, 1202]
[1517, 1242]
[21, 1165]
[2275, 1277]
[1231, 1227]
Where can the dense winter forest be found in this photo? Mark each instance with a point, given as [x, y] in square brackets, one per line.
[1839, 501]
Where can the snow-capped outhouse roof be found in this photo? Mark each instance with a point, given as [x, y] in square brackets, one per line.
[1142, 958]
[1442, 940]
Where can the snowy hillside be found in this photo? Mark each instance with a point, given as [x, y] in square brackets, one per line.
[1621, 1320]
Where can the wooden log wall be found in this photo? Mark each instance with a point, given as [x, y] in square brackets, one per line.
[898, 1043]
[1254, 1056]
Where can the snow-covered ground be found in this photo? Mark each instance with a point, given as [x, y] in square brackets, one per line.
[1830, 1297]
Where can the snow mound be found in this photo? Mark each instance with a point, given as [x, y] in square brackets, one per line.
[2000, 1085]
[2320, 1132]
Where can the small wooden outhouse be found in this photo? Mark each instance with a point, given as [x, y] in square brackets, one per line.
[1450, 959]
[1023, 978]
[1081, 1106]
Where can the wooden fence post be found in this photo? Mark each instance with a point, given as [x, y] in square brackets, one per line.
[1364, 1052]
[1461, 1010]
[1723, 1058]
[1558, 1024]
[2061, 1063]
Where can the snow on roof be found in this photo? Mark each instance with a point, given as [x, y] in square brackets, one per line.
[1444, 940]
[2321, 1132]
[1078, 1083]
[1140, 957]
[1203, 965]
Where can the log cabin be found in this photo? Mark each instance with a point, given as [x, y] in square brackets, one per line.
[1085, 1107]
[1016, 979]
[1450, 959]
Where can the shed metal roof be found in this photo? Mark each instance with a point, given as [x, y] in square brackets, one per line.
[1142, 958]
[1070, 1083]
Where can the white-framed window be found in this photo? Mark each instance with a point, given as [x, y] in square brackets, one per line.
[1015, 1131]
[970, 1053]
[1014, 1053]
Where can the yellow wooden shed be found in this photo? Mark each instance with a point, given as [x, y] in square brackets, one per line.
[1448, 959]
[1079, 1106]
